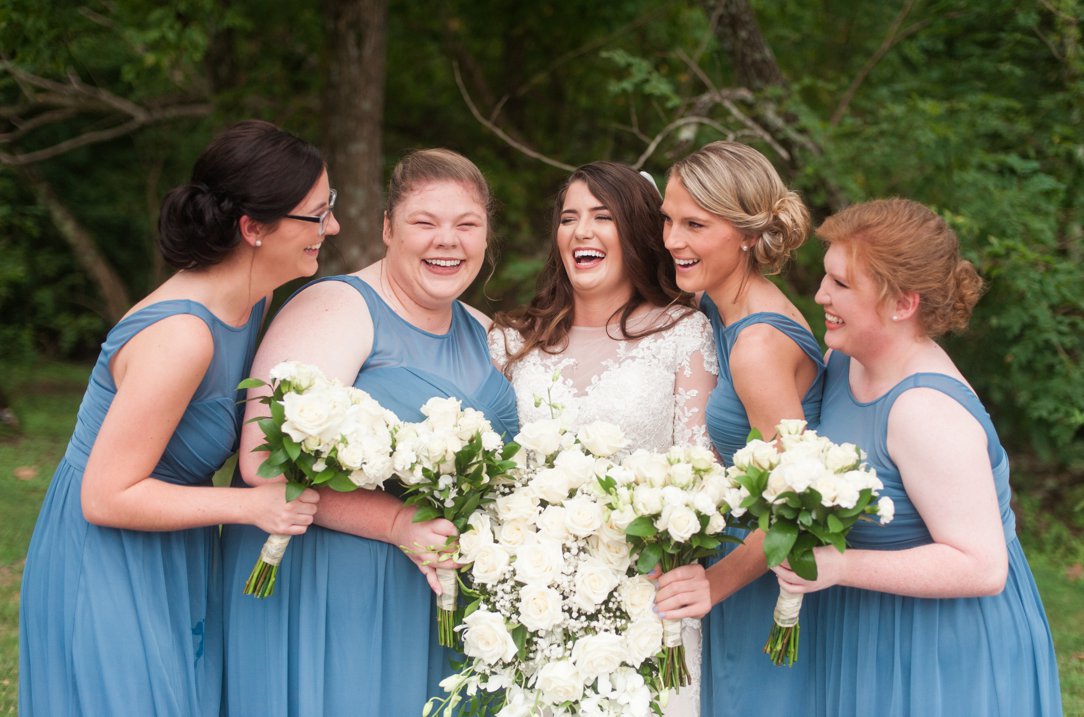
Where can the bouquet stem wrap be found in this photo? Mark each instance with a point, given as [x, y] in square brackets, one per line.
[447, 602]
[675, 673]
[782, 644]
[261, 581]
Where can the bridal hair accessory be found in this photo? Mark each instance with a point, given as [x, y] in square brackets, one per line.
[651, 181]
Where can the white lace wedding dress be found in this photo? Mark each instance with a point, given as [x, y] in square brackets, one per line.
[654, 387]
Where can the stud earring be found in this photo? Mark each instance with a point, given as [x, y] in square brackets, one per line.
[259, 243]
[745, 248]
[895, 318]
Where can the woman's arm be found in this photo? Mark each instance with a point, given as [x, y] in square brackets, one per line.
[156, 374]
[328, 325]
[941, 452]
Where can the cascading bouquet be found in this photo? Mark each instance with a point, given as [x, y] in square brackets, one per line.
[319, 433]
[449, 464]
[673, 508]
[807, 493]
[561, 623]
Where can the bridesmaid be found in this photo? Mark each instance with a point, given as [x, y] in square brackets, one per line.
[936, 613]
[729, 222]
[119, 608]
[350, 629]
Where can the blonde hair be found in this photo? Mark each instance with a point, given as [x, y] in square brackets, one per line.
[739, 184]
[906, 247]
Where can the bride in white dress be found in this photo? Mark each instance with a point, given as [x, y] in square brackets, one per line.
[608, 336]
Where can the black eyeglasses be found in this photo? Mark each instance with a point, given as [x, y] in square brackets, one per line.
[325, 215]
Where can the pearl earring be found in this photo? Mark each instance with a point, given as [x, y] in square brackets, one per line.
[895, 318]
[259, 243]
[745, 248]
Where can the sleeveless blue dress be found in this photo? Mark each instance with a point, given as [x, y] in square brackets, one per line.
[737, 678]
[351, 627]
[118, 621]
[884, 654]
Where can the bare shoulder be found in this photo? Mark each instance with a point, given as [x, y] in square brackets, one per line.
[764, 345]
[923, 417]
[485, 321]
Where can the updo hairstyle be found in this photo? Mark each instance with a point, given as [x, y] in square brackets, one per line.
[739, 184]
[254, 169]
[424, 166]
[907, 248]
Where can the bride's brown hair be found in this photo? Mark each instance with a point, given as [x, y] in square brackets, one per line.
[634, 203]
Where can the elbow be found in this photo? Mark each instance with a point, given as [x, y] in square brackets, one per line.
[96, 512]
[991, 576]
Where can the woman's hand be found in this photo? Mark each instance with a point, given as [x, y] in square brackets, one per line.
[681, 592]
[830, 564]
[429, 544]
[273, 514]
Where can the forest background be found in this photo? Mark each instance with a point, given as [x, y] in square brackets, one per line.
[974, 108]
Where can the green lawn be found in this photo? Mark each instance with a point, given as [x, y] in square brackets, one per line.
[46, 397]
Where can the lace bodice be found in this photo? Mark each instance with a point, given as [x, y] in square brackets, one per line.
[654, 387]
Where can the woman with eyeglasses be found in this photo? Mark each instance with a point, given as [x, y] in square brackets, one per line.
[350, 628]
[120, 612]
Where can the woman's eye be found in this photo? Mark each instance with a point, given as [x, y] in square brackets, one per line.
[696, 225]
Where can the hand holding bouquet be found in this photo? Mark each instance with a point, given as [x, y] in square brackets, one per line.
[672, 507]
[319, 433]
[449, 464]
[807, 493]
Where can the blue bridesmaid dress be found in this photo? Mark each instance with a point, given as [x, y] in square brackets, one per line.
[737, 678]
[885, 654]
[127, 622]
[351, 627]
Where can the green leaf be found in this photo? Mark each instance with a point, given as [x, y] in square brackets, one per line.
[519, 636]
[834, 524]
[642, 527]
[292, 447]
[339, 481]
[250, 383]
[509, 450]
[424, 513]
[293, 490]
[804, 564]
[649, 558]
[778, 542]
[268, 469]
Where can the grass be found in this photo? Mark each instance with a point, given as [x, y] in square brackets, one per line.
[46, 396]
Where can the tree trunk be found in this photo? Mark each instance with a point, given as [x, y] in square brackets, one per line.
[354, 111]
[110, 287]
[737, 29]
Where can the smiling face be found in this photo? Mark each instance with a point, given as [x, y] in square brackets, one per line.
[293, 247]
[590, 247]
[855, 315]
[707, 249]
[436, 239]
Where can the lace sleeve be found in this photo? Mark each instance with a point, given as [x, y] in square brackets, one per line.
[694, 380]
[502, 342]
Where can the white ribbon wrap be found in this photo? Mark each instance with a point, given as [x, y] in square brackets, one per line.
[786, 608]
[450, 587]
[273, 549]
[671, 633]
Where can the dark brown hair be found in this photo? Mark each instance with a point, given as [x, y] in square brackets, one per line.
[634, 204]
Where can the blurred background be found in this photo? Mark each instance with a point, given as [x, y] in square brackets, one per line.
[974, 108]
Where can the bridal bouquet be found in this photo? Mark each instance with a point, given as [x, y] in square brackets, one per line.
[809, 493]
[672, 507]
[449, 463]
[319, 433]
[561, 623]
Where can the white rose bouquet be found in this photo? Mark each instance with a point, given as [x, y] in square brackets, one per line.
[561, 623]
[807, 493]
[449, 464]
[673, 508]
[319, 433]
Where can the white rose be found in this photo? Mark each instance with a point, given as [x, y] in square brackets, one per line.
[886, 509]
[649, 468]
[318, 413]
[551, 484]
[702, 503]
[672, 495]
[486, 637]
[799, 476]
[552, 523]
[477, 534]
[514, 533]
[791, 427]
[302, 376]
[539, 607]
[442, 412]
[643, 638]
[602, 438]
[678, 520]
[543, 436]
[490, 563]
[560, 681]
[716, 524]
[827, 484]
[594, 582]
[518, 703]
[637, 596]
[681, 475]
[647, 500]
[577, 465]
[539, 561]
[583, 516]
[491, 441]
[599, 654]
[519, 505]
[841, 458]
[615, 553]
[701, 458]
[847, 493]
[623, 516]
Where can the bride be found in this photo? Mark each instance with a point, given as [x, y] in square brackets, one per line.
[608, 335]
